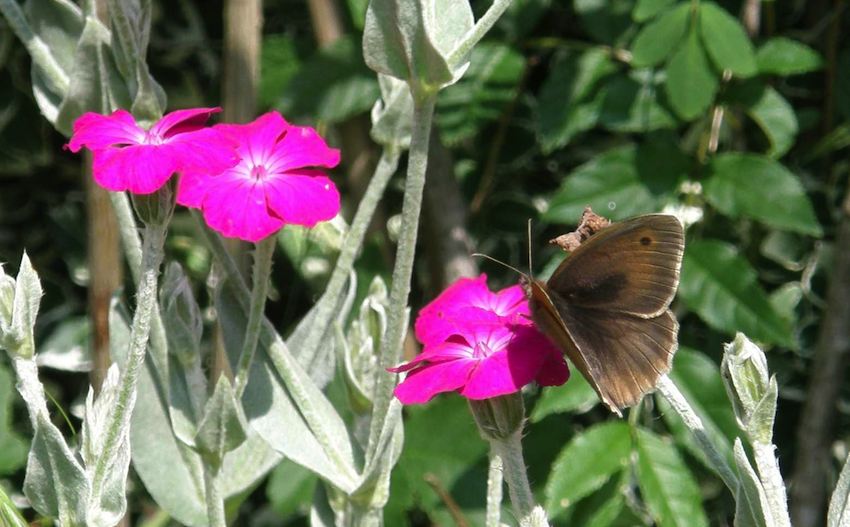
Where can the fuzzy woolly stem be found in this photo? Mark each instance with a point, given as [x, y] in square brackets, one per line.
[326, 306]
[671, 393]
[262, 271]
[509, 450]
[417, 163]
[494, 489]
[771, 478]
[214, 499]
[478, 31]
[153, 238]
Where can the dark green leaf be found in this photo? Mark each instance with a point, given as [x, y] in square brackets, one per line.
[691, 83]
[667, 486]
[783, 56]
[698, 378]
[290, 487]
[482, 94]
[331, 86]
[726, 41]
[760, 188]
[278, 64]
[722, 288]
[776, 118]
[632, 104]
[646, 9]
[605, 20]
[575, 396]
[571, 81]
[586, 463]
[662, 37]
[614, 182]
[13, 446]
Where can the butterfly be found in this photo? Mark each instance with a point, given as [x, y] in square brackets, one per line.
[607, 306]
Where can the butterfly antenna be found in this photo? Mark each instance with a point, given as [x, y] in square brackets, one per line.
[530, 268]
[511, 267]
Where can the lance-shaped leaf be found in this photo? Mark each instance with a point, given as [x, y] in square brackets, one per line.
[222, 428]
[109, 506]
[392, 115]
[751, 501]
[413, 40]
[25, 307]
[839, 504]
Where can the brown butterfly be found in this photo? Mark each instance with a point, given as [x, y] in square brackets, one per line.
[607, 306]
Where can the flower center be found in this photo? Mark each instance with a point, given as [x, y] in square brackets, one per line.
[481, 351]
[258, 172]
[152, 138]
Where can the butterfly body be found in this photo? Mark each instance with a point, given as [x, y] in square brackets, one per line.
[607, 306]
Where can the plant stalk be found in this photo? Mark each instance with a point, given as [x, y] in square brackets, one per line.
[262, 271]
[153, 238]
[478, 31]
[494, 489]
[671, 393]
[771, 478]
[423, 113]
[509, 450]
[214, 499]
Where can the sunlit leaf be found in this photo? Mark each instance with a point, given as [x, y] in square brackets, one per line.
[659, 39]
[726, 40]
[691, 83]
[784, 56]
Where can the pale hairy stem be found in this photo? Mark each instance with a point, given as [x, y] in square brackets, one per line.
[482, 26]
[671, 393]
[494, 489]
[509, 450]
[771, 478]
[214, 498]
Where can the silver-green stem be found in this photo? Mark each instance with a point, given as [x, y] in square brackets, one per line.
[671, 393]
[771, 478]
[262, 271]
[514, 470]
[214, 499]
[417, 163]
[153, 239]
[494, 489]
[41, 54]
[326, 306]
[478, 31]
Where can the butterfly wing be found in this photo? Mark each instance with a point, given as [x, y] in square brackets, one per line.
[630, 267]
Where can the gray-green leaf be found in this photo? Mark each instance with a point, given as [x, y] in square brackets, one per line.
[667, 486]
[839, 504]
[222, 428]
[763, 189]
[751, 501]
[25, 307]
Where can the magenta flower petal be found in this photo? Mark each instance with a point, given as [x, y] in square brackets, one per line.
[554, 371]
[303, 197]
[302, 147]
[141, 169]
[207, 151]
[96, 131]
[192, 189]
[455, 349]
[424, 383]
[434, 322]
[236, 207]
[180, 121]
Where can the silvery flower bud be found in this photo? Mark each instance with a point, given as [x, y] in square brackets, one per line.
[156, 209]
[498, 417]
[184, 325]
[750, 387]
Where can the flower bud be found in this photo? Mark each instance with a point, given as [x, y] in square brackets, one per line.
[156, 209]
[750, 387]
[184, 325]
[498, 417]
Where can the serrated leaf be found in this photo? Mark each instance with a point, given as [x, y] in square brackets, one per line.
[722, 288]
[586, 463]
[571, 81]
[726, 41]
[668, 487]
[614, 183]
[691, 83]
[646, 9]
[784, 56]
[698, 378]
[839, 503]
[332, 86]
[762, 189]
[223, 427]
[662, 37]
[575, 396]
[480, 97]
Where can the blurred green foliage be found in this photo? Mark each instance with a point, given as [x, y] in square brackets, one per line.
[631, 106]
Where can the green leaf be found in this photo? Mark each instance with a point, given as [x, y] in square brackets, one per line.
[607, 21]
[480, 97]
[332, 85]
[575, 396]
[13, 446]
[784, 56]
[586, 463]
[646, 9]
[290, 487]
[571, 81]
[698, 378]
[776, 118]
[722, 288]
[691, 83]
[726, 40]
[760, 188]
[633, 103]
[659, 39]
[279, 63]
[222, 428]
[615, 182]
[839, 503]
[10, 516]
[667, 486]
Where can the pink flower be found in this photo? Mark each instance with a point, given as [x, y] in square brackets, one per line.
[271, 184]
[480, 344]
[127, 157]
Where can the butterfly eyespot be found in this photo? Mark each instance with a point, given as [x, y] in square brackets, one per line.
[646, 240]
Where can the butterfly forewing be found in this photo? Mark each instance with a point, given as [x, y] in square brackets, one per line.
[629, 267]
